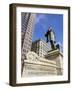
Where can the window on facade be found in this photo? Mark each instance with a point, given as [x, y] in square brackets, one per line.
[30, 41]
[24, 50]
[27, 32]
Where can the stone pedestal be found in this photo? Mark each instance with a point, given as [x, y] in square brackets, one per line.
[56, 56]
[37, 66]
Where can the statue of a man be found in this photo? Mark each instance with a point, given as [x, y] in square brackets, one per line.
[50, 35]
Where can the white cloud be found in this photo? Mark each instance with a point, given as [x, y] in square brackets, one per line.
[38, 18]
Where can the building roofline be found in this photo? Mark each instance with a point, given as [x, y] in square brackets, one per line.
[39, 40]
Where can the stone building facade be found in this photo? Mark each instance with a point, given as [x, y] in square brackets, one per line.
[27, 25]
[40, 47]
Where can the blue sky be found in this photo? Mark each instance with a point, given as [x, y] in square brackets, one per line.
[42, 23]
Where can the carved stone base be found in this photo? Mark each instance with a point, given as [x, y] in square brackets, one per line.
[37, 66]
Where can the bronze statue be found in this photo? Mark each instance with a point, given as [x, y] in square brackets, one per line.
[50, 35]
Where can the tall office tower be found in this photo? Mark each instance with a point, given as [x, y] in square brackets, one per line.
[27, 26]
[40, 47]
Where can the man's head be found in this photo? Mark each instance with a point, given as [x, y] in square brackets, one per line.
[50, 28]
